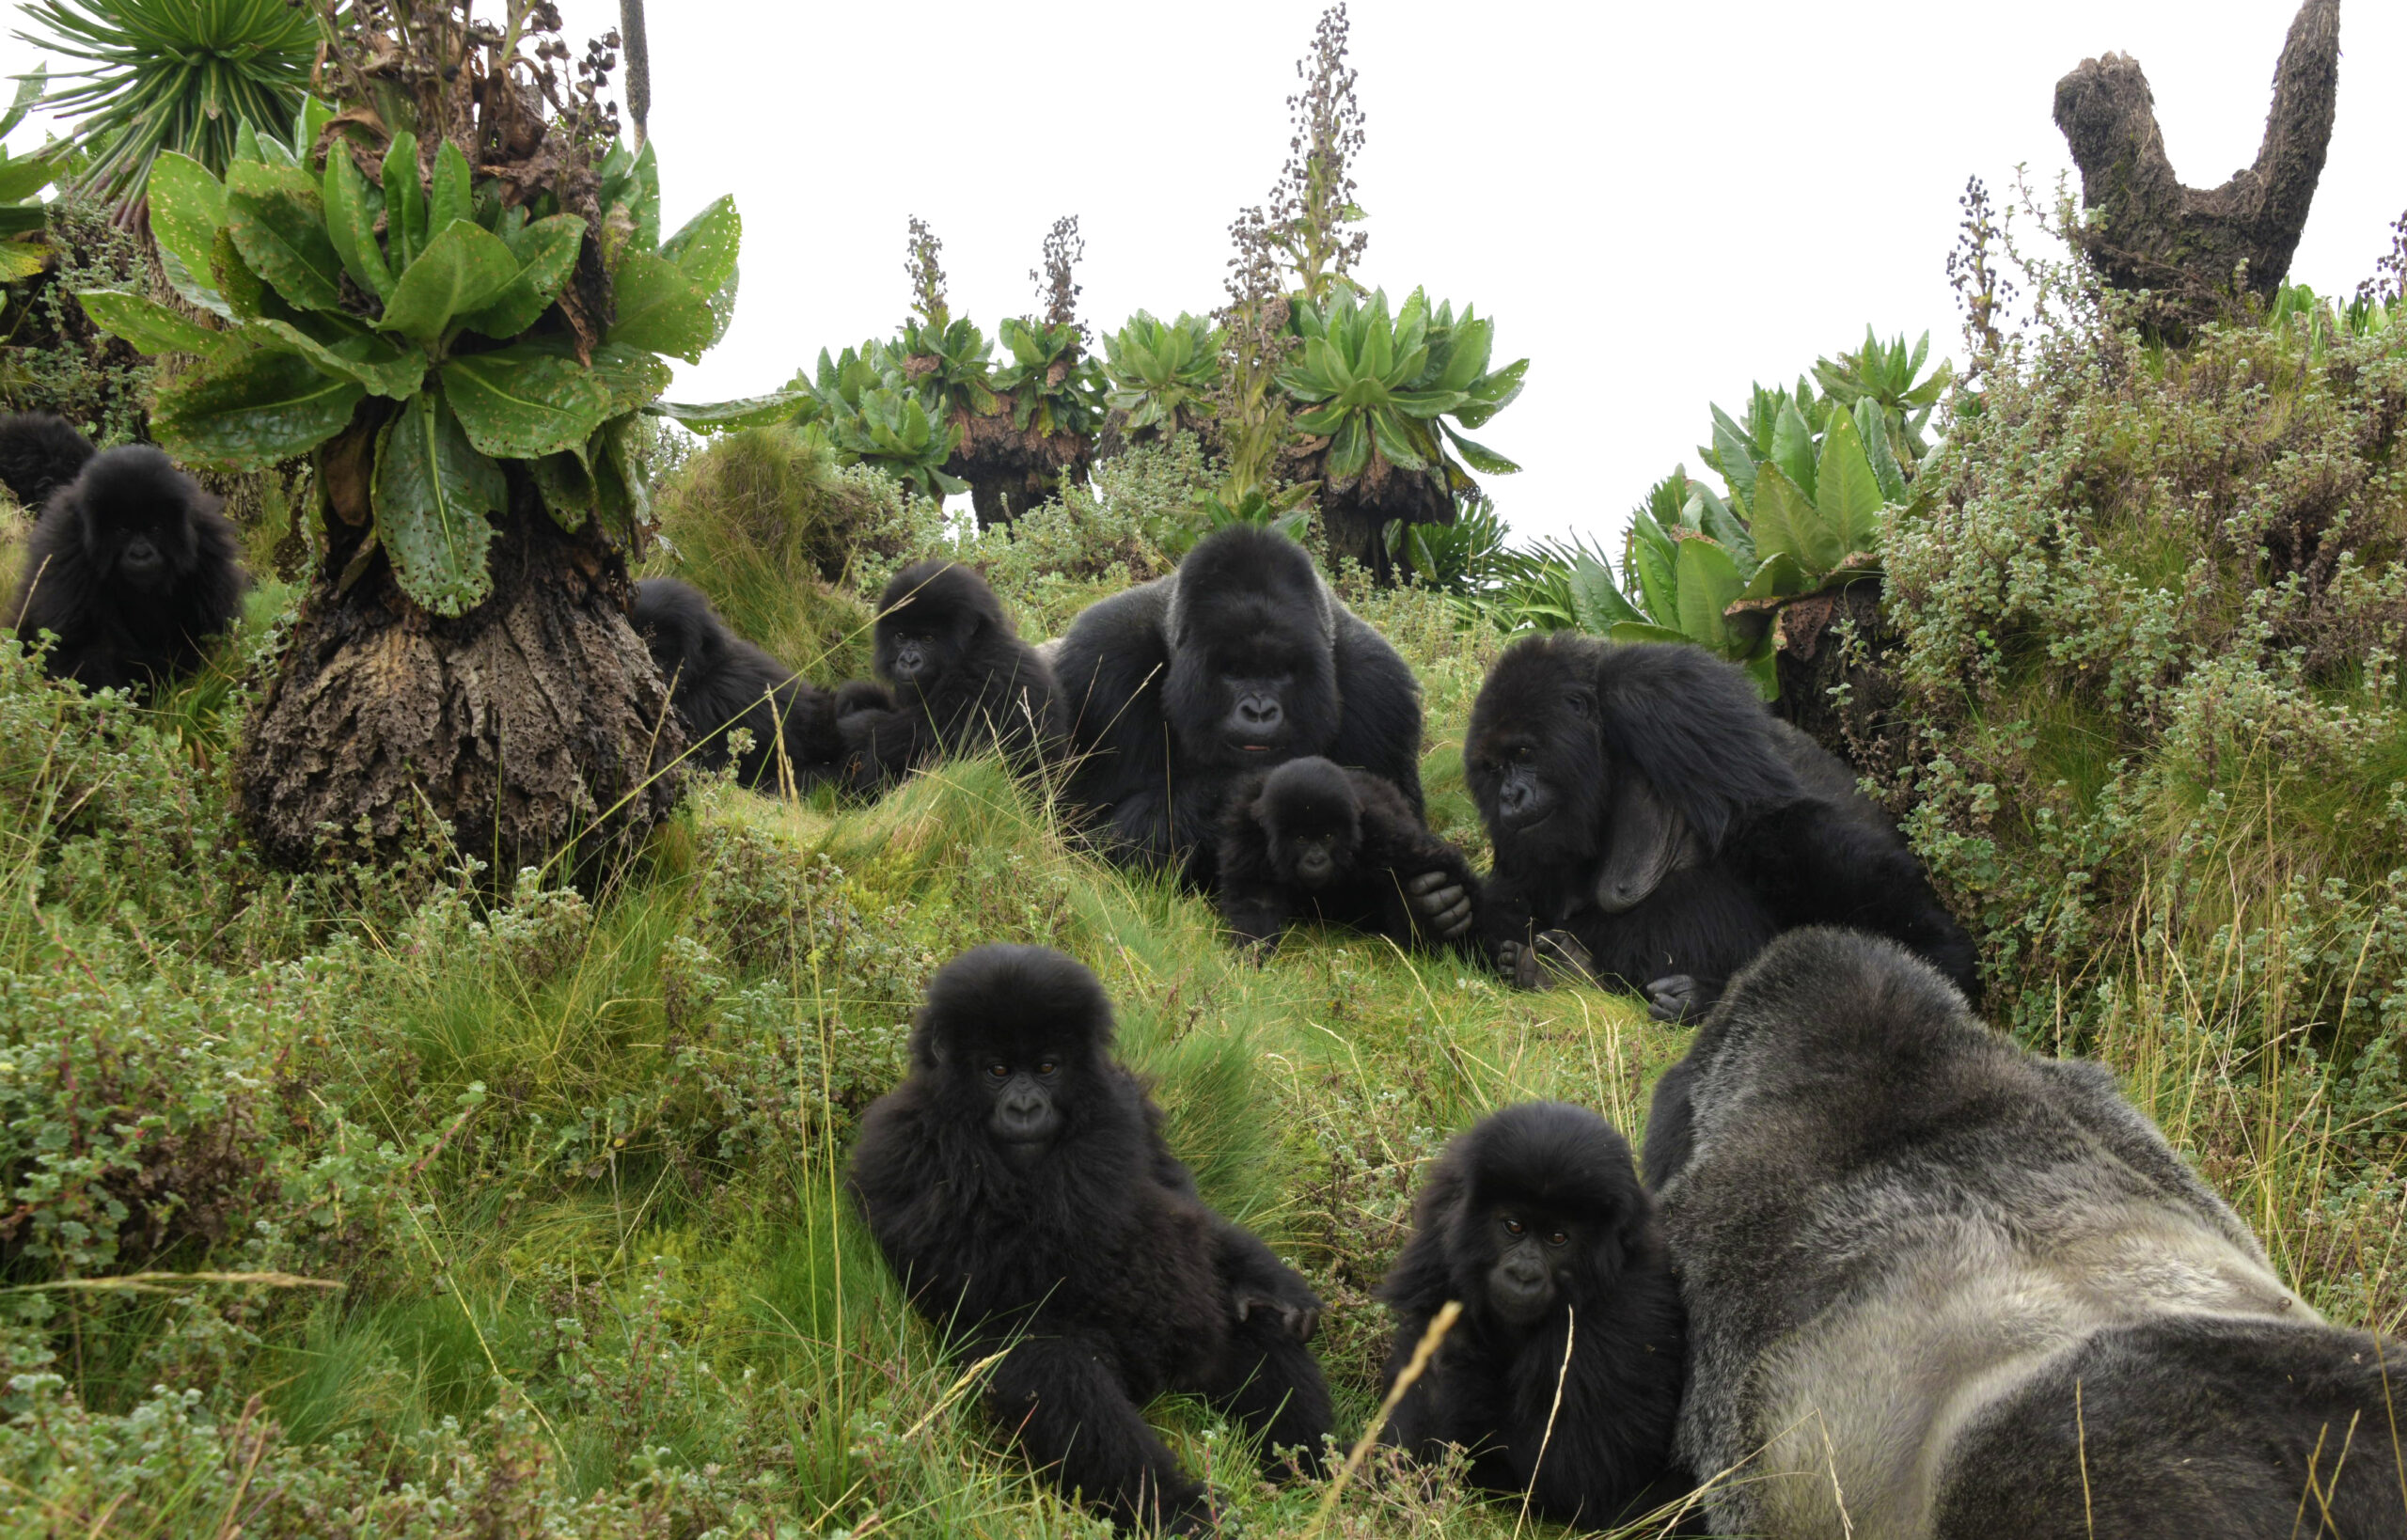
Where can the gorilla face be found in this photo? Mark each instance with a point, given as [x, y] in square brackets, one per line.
[1312, 822]
[930, 617]
[1533, 1263]
[137, 525]
[1026, 1115]
[1017, 1040]
[1255, 686]
[1533, 758]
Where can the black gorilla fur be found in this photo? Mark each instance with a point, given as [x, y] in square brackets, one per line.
[1536, 1220]
[1654, 826]
[1975, 1292]
[1238, 661]
[39, 453]
[1018, 1183]
[131, 564]
[718, 681]
[1312, 840]
[960, 676]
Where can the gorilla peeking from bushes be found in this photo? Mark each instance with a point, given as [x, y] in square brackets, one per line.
[131, 566]
[1655, 825]
[1239, 661]
[718, 681]
[1941, 1288]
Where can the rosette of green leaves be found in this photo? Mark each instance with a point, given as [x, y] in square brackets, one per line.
[1401, 386]
[873, 415]
[1162, 373]
[953, 363]
[331, 285]
[1686, 561]
[1884, 373]
[23, 216]
[1052, 389]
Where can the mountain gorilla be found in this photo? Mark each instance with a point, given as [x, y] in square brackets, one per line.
[1240, 660]
[718, 681]
[1536, 1220]
[1966, 1291]
[1340, 845]
[961, 680]
[131, 565]
[1018, 1184]
[1654, 826]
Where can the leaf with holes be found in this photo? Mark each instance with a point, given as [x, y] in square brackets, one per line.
[252, 410]
[462, 268]
[187, 210]
[660, 309]
[522, 402]
[433, 495]
[546, 251]
[278, 222]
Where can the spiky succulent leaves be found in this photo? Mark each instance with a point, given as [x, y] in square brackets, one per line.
[1375, 383]
[1156, 369]
[1039, 401]
[170, 76]
[953, 362]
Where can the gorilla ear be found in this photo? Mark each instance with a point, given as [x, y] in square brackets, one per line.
[1646, 840]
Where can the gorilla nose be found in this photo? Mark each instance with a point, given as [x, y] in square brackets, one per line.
[1258, 714]
[1313, 868]
[908, 662]
[1514, 797]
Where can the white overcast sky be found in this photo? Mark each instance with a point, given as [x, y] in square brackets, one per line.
[1657, 204]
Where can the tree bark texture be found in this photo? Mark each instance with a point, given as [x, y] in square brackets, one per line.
[2146, 230]
[532, 724]
[1816, 655]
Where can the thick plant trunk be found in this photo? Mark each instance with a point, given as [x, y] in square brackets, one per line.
[1819, 654]
[531, 724]
[639, 76]
[2146, 230]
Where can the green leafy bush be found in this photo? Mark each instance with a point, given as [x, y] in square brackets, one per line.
[1401, 386]
[1161, 374]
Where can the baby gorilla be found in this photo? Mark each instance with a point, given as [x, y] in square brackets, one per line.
[131, 565]
[1311, 839]
[1018, 1183]
[1562, 1378]
[961, 680]
[718, 681]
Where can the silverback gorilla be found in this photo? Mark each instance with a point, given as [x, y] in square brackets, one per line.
[718, 681]
[1562, 1375]
[131, 564]
[1310, 839]
[1940, 1288]
[1240, 660]
[1654, 826]
[1018, 1184]
[962, 680]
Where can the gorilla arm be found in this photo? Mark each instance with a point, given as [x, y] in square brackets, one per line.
[1110, 668]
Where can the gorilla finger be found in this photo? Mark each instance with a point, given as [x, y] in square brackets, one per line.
[1562, 949]
[1673, 998]
[1430, 901]
[1453, 922]
[1428, 882]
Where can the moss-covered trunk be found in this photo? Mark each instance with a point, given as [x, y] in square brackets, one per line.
[1838, 676]
[532, 724]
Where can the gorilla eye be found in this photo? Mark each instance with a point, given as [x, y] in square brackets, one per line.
[1047, 1066]
[1521, 754]
[1000, 1071]
[1558, 1238]
[1514, 1226]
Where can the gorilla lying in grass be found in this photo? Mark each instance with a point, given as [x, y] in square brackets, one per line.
[718, 681]
[1654, 826]
[131, 566]
[1239, 661]
[1562, 1376]
[1018, 1184]
[1312, 841]
[1940, 1288]
[961, 678]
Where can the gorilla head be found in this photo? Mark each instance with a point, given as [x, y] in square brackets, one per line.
[929, 617]
[140, 519]
[1313, 820]
[1251, 677]
[1547, 1214]
[1016, 1041]
[1533, 752]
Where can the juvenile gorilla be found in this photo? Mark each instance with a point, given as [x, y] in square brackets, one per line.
[1975, 1291]
[1018, 1184]
[1535, 1222]
[1240, 660]
[1655, 826]
[961, 680]
[718, 681]
[39, 453]
[1315, 840]
[131, 565]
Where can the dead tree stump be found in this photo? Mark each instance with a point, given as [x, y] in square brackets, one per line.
[2146, 231]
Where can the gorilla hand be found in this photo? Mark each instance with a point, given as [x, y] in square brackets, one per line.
[1299, 1314]
[1555, 957]
[1675, 997]
[1440, 903]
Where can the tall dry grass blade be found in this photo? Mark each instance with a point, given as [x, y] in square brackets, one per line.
[1545, 1440]
[1423, 1352]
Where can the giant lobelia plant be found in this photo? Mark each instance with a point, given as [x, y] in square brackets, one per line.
[450, 291]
